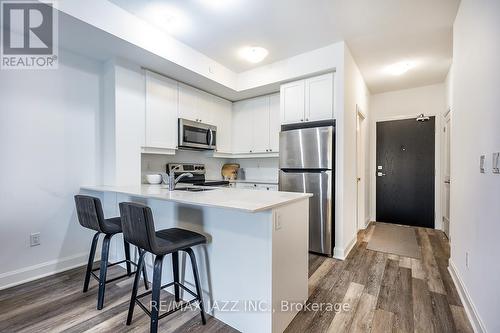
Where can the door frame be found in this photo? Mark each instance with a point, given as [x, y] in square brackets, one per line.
[438, 221]
[361, 222]
[447, 117]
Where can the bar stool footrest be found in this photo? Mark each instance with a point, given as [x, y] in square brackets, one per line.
[180, 307]
[113, 264]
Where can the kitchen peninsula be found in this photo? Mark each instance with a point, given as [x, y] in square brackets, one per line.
[257, 254]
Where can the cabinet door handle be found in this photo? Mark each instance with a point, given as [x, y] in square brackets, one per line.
[307, 119]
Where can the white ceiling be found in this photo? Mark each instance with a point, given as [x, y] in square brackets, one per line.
[378, 33]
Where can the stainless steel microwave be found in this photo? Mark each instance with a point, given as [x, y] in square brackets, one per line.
[196, 135]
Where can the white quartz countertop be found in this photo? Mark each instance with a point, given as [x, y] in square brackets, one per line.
[230, 198]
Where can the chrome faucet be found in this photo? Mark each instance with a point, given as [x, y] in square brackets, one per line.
[172, 181]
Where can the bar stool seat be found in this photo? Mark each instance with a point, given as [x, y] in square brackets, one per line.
[175, 239]
[113, 225]
[139, 229]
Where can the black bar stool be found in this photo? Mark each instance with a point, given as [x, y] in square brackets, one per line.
[139, 230]
[91, 216]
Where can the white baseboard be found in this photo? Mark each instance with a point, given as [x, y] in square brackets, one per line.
[339, 253]
[470, 309]
[30, 273]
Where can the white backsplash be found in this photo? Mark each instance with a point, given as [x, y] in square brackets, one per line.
[152, 163]
[262, 169]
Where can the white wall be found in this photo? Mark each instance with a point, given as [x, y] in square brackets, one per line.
[475, 130]
[263, 169]
[355, 94]
[403, 104]
[49, 147]
[123, 130]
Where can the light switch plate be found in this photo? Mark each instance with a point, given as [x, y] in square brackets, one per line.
[496, 163]
[481, 163]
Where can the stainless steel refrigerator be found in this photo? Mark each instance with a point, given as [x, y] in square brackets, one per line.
[307, 160]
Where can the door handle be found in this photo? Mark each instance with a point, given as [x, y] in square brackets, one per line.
[380, 174]
[210, 137]
[447, 182]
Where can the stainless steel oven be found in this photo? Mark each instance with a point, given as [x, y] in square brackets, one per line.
[195, 135]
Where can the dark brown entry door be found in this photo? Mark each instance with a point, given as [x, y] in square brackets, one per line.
[405, 172]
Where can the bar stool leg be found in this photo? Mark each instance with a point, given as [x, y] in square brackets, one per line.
[155, 296]
[140, 265]
[175, 267]
[199, 291]
[126, 246]
[144, 271]
[103, 271]
[90, 264]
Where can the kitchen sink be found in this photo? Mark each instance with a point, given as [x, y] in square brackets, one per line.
[194, 189]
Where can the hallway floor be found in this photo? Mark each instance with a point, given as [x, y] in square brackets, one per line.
[383, 292]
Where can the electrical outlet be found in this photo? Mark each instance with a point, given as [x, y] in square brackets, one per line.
[35, 239]
[467, 260]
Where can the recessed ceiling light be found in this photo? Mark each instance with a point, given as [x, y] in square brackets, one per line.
[400, 67]
[253, 54]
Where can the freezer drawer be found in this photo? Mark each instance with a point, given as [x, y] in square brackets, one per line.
[307, 148]
[320, 205]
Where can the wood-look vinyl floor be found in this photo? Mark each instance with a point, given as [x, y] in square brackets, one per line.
[384, 293]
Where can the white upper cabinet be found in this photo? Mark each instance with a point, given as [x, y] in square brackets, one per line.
[195, 104]
[256, 125]
[222, 118]
[188, 102]
[205, 107]
[307, 100]
[243, 127]
[161, 112]
[292, 102]
[319, 98]
[274, 123]
[260, 123]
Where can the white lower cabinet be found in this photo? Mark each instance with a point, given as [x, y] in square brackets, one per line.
[255, 186]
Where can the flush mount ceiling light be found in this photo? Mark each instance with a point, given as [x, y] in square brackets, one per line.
[169, 18]
[254, 54]
[217, 4]
[400, 68]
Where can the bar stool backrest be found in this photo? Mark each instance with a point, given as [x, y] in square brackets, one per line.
[138, 225]
[89, 211]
